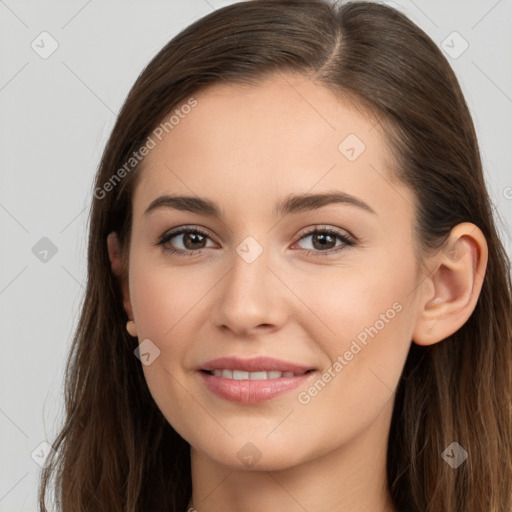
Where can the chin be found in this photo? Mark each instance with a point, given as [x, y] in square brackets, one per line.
[254, 455]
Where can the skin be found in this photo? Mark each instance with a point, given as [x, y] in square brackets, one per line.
[246, 148]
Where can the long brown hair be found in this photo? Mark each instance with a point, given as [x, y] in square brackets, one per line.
[116, 451]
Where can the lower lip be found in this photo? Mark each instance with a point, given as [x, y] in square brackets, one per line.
[252, 391]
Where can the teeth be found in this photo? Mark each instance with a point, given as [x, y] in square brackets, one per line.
[242, 375]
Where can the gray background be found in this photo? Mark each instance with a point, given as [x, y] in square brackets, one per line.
[56, 114]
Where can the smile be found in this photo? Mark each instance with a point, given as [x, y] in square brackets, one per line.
[252, 387]
[261, 375]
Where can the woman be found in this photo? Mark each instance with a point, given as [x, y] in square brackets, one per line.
[296, 292]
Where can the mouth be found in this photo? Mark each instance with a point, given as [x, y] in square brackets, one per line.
[249, 388]
[253, 381]
[257, 375]
[256, 368]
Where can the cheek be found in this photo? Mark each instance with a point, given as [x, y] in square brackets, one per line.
[161, 297]
[163, 306]
[362, 321]
[345, 300]
[361, 328]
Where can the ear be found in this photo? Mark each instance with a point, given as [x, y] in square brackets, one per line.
[120, 269]
[450, 291]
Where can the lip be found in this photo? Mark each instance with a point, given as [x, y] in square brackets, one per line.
[249, 391]
[255, 364]
[252, 391]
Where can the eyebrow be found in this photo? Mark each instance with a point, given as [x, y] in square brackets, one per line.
[294, 203]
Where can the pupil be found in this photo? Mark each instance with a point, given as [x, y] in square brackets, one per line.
[196, 237]
[322, 237]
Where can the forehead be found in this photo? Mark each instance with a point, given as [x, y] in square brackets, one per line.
[246, 145]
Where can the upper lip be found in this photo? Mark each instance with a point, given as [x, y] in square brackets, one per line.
[256, 364]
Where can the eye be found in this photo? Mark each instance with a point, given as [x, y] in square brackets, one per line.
[323, 241]
[192, 239]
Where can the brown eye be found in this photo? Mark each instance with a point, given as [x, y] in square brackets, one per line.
[325, 240]
[192, 241]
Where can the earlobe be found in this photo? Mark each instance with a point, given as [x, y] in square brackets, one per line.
[450, 292]
[120, 270]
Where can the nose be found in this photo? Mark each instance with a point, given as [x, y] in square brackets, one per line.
[251, 297]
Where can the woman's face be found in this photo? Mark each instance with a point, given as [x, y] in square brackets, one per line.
[256, 282]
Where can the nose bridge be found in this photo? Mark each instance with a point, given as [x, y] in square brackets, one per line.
[249, 295]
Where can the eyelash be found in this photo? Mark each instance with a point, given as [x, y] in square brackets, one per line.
[347, 241]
